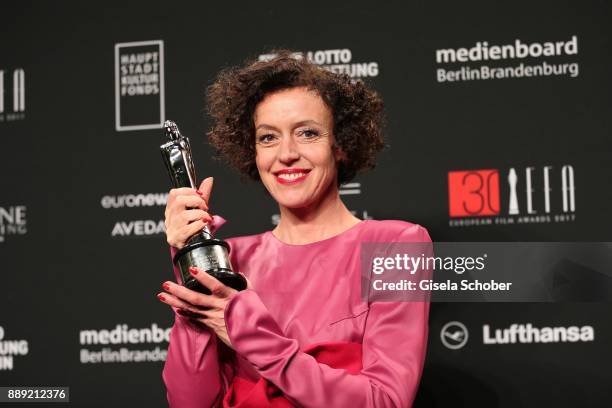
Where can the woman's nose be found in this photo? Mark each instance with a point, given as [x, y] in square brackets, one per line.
[288, 150]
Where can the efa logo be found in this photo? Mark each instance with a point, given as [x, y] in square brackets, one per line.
[473, 193]
[531, 190]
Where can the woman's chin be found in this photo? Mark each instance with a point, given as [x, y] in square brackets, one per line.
[294, 203]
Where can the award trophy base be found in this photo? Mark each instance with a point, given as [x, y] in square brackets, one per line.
[207, 255]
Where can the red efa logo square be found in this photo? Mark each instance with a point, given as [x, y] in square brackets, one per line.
[473, 193]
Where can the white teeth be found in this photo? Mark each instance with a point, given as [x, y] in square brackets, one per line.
[290, 176]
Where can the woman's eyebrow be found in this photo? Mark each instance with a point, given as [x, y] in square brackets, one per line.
[295, 125]
[264, 126]
[307, 122]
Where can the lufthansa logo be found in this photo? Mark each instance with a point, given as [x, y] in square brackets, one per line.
[454, 335]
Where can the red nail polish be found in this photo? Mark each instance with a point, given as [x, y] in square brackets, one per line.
[166, 286]
[193, 270]
[206, 219]
[199, 192]
[161, 297]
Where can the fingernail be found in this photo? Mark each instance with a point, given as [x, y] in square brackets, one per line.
[193, 270]
[166, 286]
[206, 219]
[161, 297]
[199, 192]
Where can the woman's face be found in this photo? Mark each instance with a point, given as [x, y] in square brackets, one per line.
[295, 147]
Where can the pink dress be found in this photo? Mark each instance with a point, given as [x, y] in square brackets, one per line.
[304, 295]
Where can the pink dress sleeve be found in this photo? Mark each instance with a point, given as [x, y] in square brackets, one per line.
[394, 345]
[192, 374]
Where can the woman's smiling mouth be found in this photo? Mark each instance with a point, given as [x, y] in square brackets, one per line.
[291, 175]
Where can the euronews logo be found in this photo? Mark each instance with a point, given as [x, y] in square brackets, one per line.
[482, 51]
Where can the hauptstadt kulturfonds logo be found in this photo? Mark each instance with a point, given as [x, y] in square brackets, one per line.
[139, 85]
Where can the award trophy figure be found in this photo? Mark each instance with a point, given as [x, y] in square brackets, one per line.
[201, 250]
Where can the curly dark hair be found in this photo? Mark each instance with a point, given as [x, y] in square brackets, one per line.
[231, 100]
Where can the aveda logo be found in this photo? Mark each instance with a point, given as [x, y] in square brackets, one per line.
[138, 227]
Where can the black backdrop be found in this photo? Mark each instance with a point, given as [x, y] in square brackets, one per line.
[72, 268]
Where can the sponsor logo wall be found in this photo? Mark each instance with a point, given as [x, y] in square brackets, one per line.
[136, 227]
[498, 132]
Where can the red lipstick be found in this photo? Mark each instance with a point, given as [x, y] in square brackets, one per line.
[292, 180]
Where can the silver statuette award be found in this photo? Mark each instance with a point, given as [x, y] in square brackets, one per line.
[201, 250]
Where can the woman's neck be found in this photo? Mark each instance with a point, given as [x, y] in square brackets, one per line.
[319, 221]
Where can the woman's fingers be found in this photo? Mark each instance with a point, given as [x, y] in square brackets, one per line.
[187, 198]
[176, 192]
[205, 188]
[191, 229]
[189, 296]
[217, 288]
[185, 207]
[178, 235]
[188, 216]
[181, 306]
[177, 197]
[189, 201]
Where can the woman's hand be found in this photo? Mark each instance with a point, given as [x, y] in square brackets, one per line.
[186, 212]
[206, 309]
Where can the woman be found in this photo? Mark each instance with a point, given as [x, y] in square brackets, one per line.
[300, 334]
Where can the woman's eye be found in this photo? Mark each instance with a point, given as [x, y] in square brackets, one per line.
[308, 133]
[266, 139]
